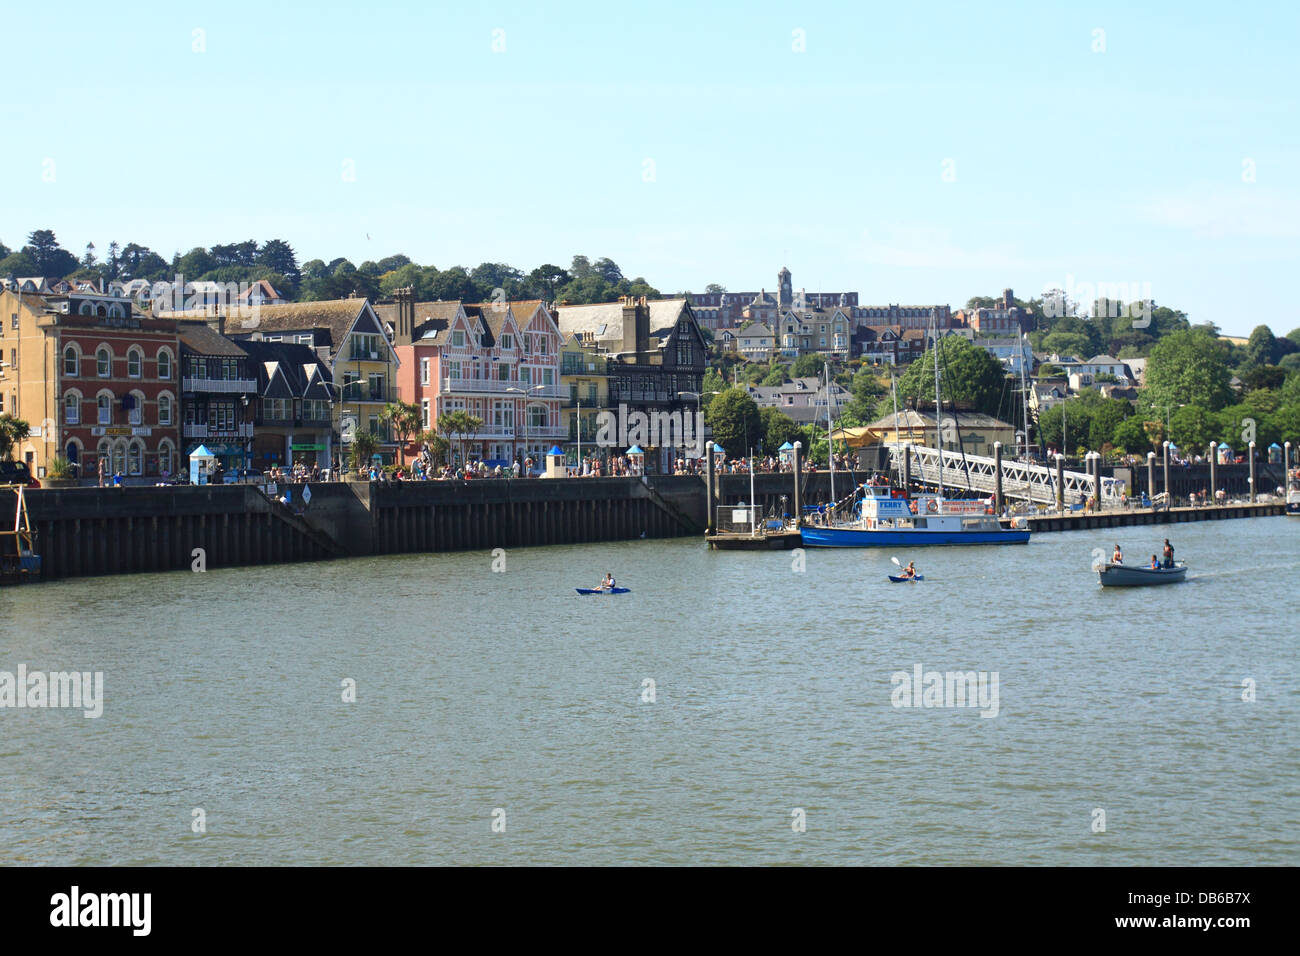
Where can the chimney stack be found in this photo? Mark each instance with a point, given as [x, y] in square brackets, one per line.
[404, 331]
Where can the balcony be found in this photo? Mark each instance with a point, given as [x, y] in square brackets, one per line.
[244, 430]
[544, 431]
[492, 386]
[362, 392]
[573, 366]
[486, 431]
[238, 386]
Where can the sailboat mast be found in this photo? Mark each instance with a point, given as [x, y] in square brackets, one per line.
[894, 394]
[830, 438]
[938, 406]
[1024, 391]
[753, 502]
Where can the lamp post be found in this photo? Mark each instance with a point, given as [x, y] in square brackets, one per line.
[699, 398]
[526, 392]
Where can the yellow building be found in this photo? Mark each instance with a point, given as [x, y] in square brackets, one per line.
[583, 371]
[352, 340]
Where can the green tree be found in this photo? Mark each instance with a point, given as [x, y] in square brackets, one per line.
[460, 423]
[868, 391]
[775, 377]
[1131, 438]
[735, 420]
[1187, 366]
[12, 431]
[50, 258]
[362, 448]
[545, 279]
[777, 428]
[971, 378]
[405, 419]
[808, 366]
[1193, 427]
[1261, 347]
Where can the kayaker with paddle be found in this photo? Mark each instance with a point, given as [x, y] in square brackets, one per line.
[607, 584]
[910, 570]
[1169, 554]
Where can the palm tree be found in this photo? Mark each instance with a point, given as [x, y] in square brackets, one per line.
[405, 419]
[363, 447]
[438, 445]
[12, 431]
[461, 423]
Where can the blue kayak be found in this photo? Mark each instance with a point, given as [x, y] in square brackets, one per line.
[901, 580]
[603, 590]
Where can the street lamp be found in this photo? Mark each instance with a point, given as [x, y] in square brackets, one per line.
[525, 392]
[699, 398]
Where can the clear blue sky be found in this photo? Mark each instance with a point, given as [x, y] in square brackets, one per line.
[1117, 166]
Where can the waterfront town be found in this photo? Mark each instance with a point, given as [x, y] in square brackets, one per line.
[122, 381]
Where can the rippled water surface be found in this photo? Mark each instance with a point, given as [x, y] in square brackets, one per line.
[479, 690]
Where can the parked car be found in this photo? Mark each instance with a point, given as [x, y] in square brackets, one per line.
[17, 473]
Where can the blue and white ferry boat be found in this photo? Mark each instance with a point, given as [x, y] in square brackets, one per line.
[881, 520]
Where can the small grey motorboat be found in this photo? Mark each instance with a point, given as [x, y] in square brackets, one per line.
[1134, 576]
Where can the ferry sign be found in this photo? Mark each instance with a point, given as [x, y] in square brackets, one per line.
[891, 508]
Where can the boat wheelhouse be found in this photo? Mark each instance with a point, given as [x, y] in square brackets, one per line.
[882, 520]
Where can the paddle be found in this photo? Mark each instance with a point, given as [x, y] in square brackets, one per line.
[897, 562]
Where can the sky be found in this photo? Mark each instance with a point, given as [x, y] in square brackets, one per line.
[915, 153]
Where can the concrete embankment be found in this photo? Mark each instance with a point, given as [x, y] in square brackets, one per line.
[92, 531]
[1074, 521]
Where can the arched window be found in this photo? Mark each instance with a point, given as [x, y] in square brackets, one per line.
[70, 364]
[104, 404]
[115, 311]
[105, 454]
[135, 409]
[86, 309]
[103, 363]
[134, 362]
[164, 458]
[101, 311]
[164, 364]
[73, 453]
[119, 457]
[135, 459]
[72, 409]
[164, 410]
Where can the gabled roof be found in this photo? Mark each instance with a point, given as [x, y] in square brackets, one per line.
[604, 321]
[289, 370]
[335, 316]
[201, 339]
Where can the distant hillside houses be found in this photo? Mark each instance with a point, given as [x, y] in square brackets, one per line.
[802, 399]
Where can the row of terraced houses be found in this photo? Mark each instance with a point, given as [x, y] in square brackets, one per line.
[102, 381]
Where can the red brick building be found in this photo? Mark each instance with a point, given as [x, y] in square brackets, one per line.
[94, 379]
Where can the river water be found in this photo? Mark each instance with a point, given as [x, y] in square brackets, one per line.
[500, 718]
